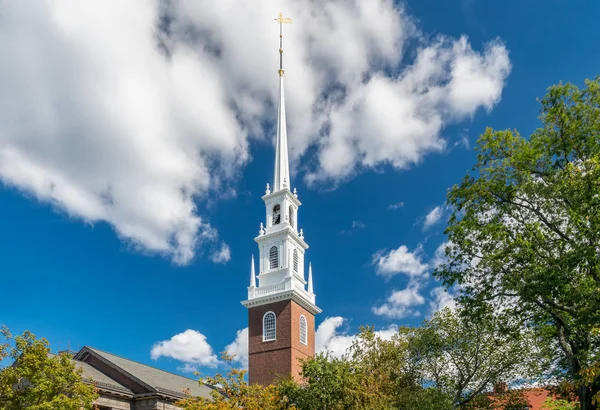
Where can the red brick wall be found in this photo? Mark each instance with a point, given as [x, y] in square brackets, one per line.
[266, 367]
[269, 360]
[536, 397]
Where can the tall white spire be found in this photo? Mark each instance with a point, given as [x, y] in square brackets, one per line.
[281, 245]
[310, 283]
[252, 274]
[282, 166]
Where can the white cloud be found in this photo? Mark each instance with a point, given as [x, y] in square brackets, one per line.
[358, 225]
[102, 125]
[188, 368]
[189, 347]
[464, 140]
[398, 120]
[223, 255]
[239, 347]
[400, 303]
[328, 338]
[110, 118]
[441, 299]
[355, 225]
[434, 216]
[439, 257]
[397, 205]
[400, 260]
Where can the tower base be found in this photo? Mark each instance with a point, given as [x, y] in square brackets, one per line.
[268, 361]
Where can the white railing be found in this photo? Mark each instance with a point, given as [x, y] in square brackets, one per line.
[265, 290]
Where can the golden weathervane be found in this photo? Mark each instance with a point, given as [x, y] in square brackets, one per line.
[281, 20]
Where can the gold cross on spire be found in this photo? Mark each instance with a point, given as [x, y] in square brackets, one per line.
[281, 20]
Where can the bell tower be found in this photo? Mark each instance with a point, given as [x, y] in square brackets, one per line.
[281, 309]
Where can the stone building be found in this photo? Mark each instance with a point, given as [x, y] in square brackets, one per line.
[127, 385]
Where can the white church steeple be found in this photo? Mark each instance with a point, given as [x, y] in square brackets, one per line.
[252, 274]
[281, 307]
[282, 166]
[281, 246]
[310, 282]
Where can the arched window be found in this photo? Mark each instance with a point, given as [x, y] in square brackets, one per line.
[291, 216]
[276, 214]
[295, 258]
[303, 330]
[269, 327]
[273, 258]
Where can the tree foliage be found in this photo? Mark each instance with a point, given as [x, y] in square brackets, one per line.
[232, 392]
[374, 374]
[525, 231]
[465, 355]
[37, 380]
[559, 404]
[447, 363]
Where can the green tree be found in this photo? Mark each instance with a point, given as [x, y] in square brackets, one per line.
[375, 374]
[329, 383]
[525, 231]
[232, 392]
[464, 355]
[558, 404]
[38, 380]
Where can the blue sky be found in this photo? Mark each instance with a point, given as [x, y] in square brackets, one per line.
[81, 274]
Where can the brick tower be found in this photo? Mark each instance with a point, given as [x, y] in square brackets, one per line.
[281, 309]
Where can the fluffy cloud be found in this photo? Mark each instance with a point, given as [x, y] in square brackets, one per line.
[433, 217]
[239, 347]
[400, 260]
[441, 299]
[221, 255]
[397, 120]
[101, 124]
[189, 347]
[133, 113]
[358, 225]
[401, 302]
[355, 226]
[396, 206]
[329, 338]
[439, 257]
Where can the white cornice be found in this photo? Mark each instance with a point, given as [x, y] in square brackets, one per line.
[287, 231]
[282, 192]
[285, 295]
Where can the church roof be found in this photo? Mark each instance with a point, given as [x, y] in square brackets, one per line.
[91, 373]
[153, 379]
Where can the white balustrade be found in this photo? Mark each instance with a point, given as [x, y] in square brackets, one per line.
[265, 290]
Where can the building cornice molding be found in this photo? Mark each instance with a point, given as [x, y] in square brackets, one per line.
[287, 231]
[282, 296]
[109, 388]
[282, 192]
